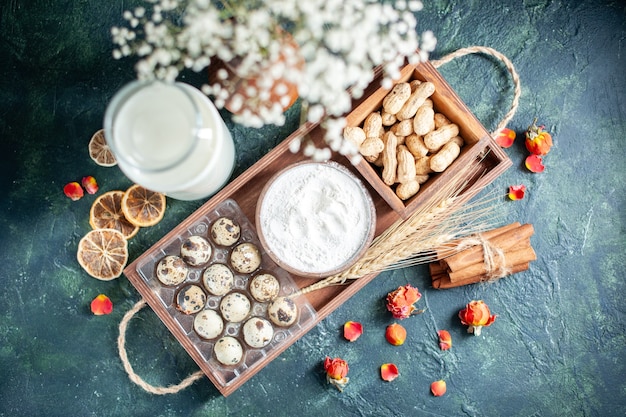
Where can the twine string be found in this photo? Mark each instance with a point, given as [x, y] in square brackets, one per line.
[494, 258]
[121, 346]
[517, 92]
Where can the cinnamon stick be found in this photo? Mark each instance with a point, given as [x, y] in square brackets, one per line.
[443, 281]
[475, 254]
[519, 256]
[488, 234]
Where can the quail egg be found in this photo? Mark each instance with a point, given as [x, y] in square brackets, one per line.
[196, 250]
[245, 258]
[171, 270]
[218, 279]
[235, 307]
[225, 231]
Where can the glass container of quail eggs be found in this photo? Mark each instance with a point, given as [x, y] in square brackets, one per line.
[224, 292]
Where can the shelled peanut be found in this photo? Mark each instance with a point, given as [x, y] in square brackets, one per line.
[407, 138]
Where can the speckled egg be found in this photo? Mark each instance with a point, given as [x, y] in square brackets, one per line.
[225, 231]
[264, 287]
[196, 250]
[235, 307]
[208, 324]
[282, 311]
[218, 279]
[228, 350]
[190, 299]
[171, 270]
[258, 332]
[245, 258]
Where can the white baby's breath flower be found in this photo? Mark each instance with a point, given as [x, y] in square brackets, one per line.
[339, 43]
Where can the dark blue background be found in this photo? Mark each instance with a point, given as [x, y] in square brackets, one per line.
[557, 348]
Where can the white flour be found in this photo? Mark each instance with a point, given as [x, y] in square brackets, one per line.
[315, 217]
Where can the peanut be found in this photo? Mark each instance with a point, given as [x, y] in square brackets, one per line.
[422, 178]
[415, 100]
[441, 120]
[437, 138]
[442, 159]
[376, 160]
[422, 166]
[458, 140]
[372, 125]
[354, 134]
[416, 146]
[390, 161]
[403, 128]
[371, 147]
[414, 84]
[388, 118]
[395, 99]
[406, 165]
[424, 121]
[406, 190]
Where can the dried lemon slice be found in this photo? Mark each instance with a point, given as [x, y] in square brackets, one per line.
[106, 213]
[99, 150]
[103, 253]
[143, 207]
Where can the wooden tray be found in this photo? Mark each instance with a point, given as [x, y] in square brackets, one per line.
[246, 188]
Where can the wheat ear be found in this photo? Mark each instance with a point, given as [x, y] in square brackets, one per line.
[436, 223]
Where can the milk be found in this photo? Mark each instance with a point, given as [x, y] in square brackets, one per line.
[170, 138]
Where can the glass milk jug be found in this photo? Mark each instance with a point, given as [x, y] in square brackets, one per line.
[170, 138]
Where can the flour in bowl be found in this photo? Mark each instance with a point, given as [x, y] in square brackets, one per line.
[315, 217]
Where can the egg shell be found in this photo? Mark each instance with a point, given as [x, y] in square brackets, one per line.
[282, 311]
[190, 299]
[235, 307]
[196, 250]
[264, 287]
[218, 279]
[225, 231]
[228, 350]
[208, 324]
[258, 332]
[245, 258]
[172, 270]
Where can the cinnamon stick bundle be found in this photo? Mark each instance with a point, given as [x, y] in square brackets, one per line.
[491, 255]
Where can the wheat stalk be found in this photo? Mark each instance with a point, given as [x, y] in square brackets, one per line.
[431, 228]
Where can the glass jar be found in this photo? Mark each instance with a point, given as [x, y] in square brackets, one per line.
[170, 138]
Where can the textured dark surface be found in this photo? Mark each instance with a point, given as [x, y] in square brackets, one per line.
[557, 348]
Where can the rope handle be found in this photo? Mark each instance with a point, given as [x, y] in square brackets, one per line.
[507, 63]
[173, 389]
[121, 347]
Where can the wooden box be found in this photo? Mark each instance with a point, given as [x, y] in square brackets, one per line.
[246, 188]
[479, 147]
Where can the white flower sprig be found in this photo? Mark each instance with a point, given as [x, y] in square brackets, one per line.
[334, 48]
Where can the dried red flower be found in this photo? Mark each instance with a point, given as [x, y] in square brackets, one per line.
[90, 184]
[101, 305]
[505, 138]
[336, 372]
[389, 372]
[73, 191]
[438, 388]
[400, 302]
[445, 340]
[534, 163]
[395, 334]
[352, 330]
[538, 141]
[517, 192]
[476, 315]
